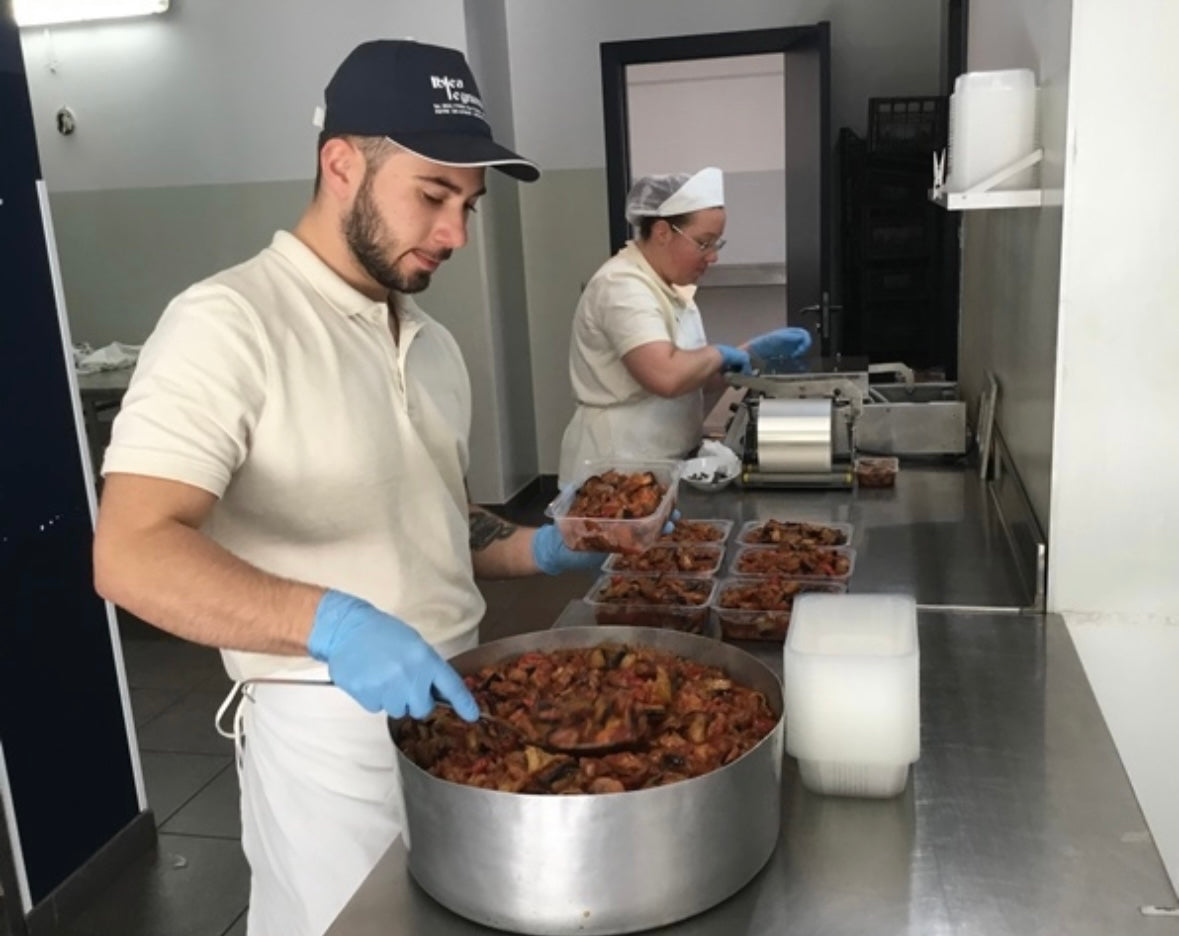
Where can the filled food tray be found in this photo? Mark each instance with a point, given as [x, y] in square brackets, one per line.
[671, 558]
[830, 563]
[616, 506]
[876, 472]
[795, 533]
[698, 531]
[676, 602]
[760, 607]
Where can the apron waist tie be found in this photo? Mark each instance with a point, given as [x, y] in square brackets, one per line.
[240, 692]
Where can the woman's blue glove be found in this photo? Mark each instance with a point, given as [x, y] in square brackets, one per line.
[734, 359]
[553, 557]
[781, 343]
[382, 662]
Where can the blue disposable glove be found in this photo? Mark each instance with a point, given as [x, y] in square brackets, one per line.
[553, 557]
[734, 359]
[669, 527]
[782, 343]
[382, 662]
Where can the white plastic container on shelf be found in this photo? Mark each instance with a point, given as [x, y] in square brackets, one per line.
[992, 125]
[852, 692]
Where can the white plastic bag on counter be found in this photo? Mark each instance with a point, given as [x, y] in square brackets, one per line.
[114, 356]
[710, 448]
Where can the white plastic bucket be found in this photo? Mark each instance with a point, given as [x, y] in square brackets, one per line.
[992, 125]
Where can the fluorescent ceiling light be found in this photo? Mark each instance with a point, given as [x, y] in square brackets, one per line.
[51, 12]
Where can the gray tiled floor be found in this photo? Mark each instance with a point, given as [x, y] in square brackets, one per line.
[196, 882]
[187, 886]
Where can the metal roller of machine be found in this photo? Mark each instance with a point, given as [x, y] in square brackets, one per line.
[805, 429]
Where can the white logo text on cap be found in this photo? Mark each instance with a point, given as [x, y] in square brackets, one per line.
[458, 101]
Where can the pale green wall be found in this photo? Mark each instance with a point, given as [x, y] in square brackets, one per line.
[126, 252]
[506, 296]
[566, 238]
[1011, 259]
[457, 297]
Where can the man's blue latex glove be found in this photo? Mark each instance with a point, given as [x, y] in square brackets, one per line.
[553, 557]
[781, 343]
[669, 527]
[734, 359]
[382, 662]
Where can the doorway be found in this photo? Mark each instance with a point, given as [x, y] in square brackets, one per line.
[755, 104]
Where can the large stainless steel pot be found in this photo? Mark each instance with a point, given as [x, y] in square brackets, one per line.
[610, 863]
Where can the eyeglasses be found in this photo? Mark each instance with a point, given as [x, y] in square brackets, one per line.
[702, 246]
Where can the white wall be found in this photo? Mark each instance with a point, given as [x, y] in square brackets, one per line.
[741, 99]
[217, 92]
[195, 142]
[212, 91]
[1115, 544]
[743, 102]
[1011, 257]
[507, 414]
[877, 49]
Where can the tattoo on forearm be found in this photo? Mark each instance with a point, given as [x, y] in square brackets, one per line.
[487, 528]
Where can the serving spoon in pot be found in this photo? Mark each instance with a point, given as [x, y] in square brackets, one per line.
[555, 742]
[560, 740]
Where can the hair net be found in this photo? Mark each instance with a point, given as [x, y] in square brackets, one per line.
[665, 196]
[651, 191]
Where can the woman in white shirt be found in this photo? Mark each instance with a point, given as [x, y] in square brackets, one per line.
[638, 359]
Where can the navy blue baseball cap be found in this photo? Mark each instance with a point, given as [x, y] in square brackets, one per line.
[423, 98]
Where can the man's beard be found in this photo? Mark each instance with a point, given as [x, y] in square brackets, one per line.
[370, 241]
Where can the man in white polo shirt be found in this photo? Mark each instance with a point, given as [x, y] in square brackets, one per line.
[285, 480]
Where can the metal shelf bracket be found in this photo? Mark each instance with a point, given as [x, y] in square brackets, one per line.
[982, 194]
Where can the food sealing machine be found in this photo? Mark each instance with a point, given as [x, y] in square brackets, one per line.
[795, 428]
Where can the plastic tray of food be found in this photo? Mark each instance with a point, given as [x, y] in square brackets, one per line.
[824, 563]
[671, 558]
[676, 602]
[630, 503]
[877, 472]
[794, 533]
[749, 607]
[698, 531]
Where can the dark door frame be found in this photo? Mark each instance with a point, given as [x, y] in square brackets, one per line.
[616, 56]
[955, 63]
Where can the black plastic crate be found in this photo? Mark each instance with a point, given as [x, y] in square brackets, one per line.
[893, 327]
[890, 282]
[895, 187]
[893, 234]
[906, 125]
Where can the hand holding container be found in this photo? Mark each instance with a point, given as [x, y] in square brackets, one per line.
[615, 534]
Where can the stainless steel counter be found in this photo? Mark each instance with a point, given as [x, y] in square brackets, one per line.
[1018, 818]
[936, 535]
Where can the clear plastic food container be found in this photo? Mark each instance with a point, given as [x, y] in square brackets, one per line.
[783, 558]
[604, 534]
[842, 532]
[877, 472]
[720, 529]
[851, 674]
[768, 623]
[694, 617]
[704, 558]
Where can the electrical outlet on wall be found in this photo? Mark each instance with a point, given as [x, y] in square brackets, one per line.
[67, 122]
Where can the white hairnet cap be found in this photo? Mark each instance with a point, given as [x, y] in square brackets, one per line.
[665, 196]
